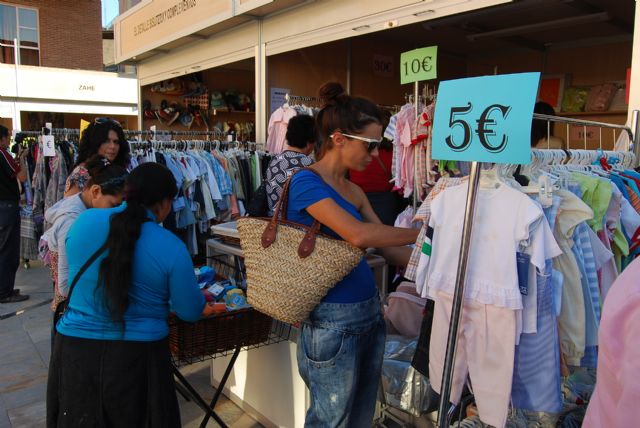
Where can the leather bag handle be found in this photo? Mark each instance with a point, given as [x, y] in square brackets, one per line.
[270, 233]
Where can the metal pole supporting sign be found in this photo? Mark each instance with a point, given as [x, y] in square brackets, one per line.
[480, 119]
[456, 310]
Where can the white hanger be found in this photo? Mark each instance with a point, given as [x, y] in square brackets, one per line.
[490, 178]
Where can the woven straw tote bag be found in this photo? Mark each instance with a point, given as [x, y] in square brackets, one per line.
[291, 267]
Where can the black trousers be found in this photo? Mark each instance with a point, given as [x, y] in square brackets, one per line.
[9, 246]
[108, 383]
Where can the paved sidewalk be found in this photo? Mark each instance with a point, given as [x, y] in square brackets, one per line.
[25, 348]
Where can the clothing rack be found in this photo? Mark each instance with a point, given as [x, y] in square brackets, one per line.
[585, 124]
[300, 98]
[391, 108]
[196, 144]
[409, 98]
[176, 133]
[170, 134]
[54, 131]
[581, 157]
[459, 288]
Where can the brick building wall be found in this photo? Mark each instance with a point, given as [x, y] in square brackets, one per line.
[70, 32]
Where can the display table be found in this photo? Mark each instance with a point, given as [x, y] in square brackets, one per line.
[265, 382]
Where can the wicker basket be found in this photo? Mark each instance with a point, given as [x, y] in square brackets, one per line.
[218, 334]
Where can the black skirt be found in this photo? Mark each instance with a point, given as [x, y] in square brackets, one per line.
[107, 383]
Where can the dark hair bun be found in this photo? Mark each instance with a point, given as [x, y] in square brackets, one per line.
[96, 164]
[332, 93]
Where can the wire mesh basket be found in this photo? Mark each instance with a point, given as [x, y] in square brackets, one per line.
[220, 334]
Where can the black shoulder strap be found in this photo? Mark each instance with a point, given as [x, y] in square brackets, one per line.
[84, 268]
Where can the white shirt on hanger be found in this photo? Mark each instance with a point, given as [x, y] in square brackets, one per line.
[503, 221]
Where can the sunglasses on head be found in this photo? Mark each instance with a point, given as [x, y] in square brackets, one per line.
[371, 143]
[102, 120]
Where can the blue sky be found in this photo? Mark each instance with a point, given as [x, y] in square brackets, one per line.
[109, 11]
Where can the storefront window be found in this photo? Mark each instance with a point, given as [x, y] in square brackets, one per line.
[21, 24]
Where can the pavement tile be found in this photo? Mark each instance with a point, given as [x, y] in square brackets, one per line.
[4, 419]
[24, 396]
[29, 416]
[21, 376]
[44, 350]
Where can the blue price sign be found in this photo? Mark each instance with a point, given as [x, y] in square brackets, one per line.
[485, 119]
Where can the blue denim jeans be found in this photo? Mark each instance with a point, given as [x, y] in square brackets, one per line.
[340, 351]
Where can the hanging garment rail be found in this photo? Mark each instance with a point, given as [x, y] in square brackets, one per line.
[626, 159]
[585, 124]
[295, 98]
[197, 144]
[573, 121]
[54, 131]
[216, 132]
[409, 98]
[391, 108]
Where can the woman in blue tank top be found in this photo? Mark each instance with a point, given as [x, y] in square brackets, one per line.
[341, 344]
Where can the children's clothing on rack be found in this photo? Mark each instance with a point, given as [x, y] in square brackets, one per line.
[411, 135]
[541, 261]
[279, 120]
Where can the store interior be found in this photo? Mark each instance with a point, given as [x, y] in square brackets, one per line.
[33, 120]
[577, 46]
[221, 98]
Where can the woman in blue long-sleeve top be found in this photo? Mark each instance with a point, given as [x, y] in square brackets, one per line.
[111, 364]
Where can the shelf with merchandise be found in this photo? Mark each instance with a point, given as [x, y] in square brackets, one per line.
[216, 112]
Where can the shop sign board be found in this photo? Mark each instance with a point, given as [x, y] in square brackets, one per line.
[44, 83]
[155, 22]
[485, 119]
[382, 66]
[418, 64]
[278, 96]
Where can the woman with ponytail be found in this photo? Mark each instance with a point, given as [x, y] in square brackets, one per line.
[341, 344]
[111, 364]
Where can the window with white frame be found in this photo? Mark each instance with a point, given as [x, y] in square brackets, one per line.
[19, 25]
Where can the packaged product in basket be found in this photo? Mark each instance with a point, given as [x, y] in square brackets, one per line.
[204, 274]
[218, 308]
[235, 299]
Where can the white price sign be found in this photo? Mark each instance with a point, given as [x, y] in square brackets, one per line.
[49, 145]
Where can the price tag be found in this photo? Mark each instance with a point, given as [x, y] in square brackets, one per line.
[418, 64]
[485, 119]
[49, 145]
